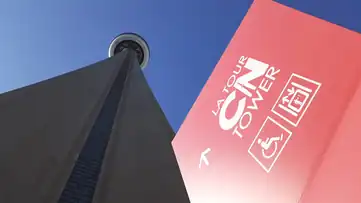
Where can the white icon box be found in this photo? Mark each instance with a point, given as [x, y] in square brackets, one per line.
[295, 98]
[269, 143]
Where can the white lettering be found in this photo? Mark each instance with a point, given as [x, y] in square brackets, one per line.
[257, 69]
[258, 78]
[235, 131]
[242, 60]
[271, 72]
[225, 89]
[227, 124]
[254, 99]
[231, 80]
[239, 69]
[247, 123]
[262, 86]
[219, 102]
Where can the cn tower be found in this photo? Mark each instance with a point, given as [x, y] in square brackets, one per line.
[132, 42]
[94, 135]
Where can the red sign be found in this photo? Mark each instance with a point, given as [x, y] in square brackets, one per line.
[276, 121]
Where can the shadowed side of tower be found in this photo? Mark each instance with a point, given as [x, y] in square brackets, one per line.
[140, 165]
[43, 128]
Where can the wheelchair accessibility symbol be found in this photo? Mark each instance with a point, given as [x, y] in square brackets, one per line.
[269, 146]
[269, 143]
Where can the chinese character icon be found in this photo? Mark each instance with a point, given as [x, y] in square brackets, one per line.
[295, 98]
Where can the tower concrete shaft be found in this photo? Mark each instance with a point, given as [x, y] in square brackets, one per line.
[96, 135]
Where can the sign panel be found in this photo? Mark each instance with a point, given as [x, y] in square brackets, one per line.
[267, 114]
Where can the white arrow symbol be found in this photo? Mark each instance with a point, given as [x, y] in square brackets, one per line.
[204, 158]
[285, 99]
[291, 91]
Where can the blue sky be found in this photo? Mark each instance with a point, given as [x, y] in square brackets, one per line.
[186, 39]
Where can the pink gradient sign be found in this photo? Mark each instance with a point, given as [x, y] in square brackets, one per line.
[265, 125]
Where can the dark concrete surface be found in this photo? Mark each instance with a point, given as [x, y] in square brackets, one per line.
[140, 165]
[42, 130]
